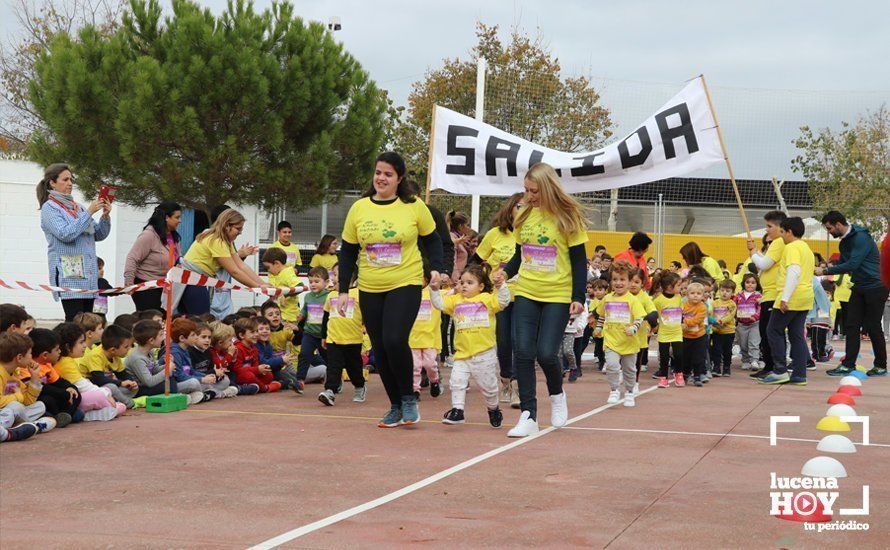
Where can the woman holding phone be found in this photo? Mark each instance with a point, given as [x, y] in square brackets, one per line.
[71, 235]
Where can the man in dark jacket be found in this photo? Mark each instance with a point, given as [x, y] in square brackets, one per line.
[861, 259]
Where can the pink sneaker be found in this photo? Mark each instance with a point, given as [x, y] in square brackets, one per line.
[678, 380]
[663, 382]
[121, 409]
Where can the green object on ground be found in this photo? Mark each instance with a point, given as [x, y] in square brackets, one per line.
[166, 403]
[139, 402]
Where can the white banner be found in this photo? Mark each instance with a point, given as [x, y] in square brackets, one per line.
[473, 158]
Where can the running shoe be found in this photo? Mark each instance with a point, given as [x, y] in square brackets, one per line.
[495, 418]
[614, 397]
[877, 371]
[327, 397]
[410, 413]
[454, 416]
[629, 400]
[392, 419]
[20, 432]
[525, 426]
[663, 382]
[795, 381]
[359, 394]
[435, 389]
[774, 378]
[678, 380]
[840, 371]
[63, 419]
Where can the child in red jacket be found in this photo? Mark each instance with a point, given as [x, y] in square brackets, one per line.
[247, 358]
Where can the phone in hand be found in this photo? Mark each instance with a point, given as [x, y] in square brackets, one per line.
[107, 192]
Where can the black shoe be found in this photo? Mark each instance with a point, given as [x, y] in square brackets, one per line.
[716, 374]
[697, 381]
[761, 373]
[435, 389]
[840, 371]
[795, 381]
[726, 374]
[495, 418]
[573, 375]
[877, 371]
[424, 379]
[454, 416]
[417, 395]
[63, 419]
[22, 431]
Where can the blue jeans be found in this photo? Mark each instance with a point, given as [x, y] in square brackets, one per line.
[195, 301]
[795, 322]
[310, 345]
[504, 319]
[538, 328]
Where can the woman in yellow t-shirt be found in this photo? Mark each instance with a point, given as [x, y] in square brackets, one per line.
[550, 233]
[326, 254]
[381, 233]
[496, 249]
[213, 254]
[693, 255]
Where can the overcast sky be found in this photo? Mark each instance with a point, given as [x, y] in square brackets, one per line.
[775, 45]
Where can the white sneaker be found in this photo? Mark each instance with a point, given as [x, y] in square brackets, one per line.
[525, 427]
[559, 410]
[358, 394]
[614, 396]
[746, 366]
[629, 400]
[195, 397]
[231, 391]
[636, 388]
[45, 424]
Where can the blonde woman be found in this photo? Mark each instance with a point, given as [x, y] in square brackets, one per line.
[550, 232]
[213, 254]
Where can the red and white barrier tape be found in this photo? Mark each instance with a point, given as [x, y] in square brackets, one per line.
[185, 277]
[147, 285]
[175, 275]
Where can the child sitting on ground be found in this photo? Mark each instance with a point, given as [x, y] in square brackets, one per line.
[199, 387]
[202, 363]
[277, 361]
[342, 338]
[13, 319]
[103, 366]
[141, 365]
[93, 326]
[60, 397]
[619, 317]
[19, 401]
[224, 355]
[96, 403]
[473, 310]
[248, 369]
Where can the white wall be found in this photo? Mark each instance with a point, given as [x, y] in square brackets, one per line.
[23, 245]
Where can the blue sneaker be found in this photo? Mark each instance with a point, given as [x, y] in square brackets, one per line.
[877, 371]
[392, 419]
[795, 381]
[773, 378]
[248, 389]
[77, 416]
[840, 371]
[410, 414]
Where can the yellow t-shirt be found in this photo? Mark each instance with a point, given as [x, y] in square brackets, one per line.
[619, 312]
[670, 318]
[280, 339]
[843, 288]
[387, 236]
[474, 321]
[344, 330]
[291, 250]
[649, 306]
[326, 261]
[798, 253]
[496, 249]
[206, 253]
[95, 360]
[427, 330]
[290, 305]
[724, 310]
[68, 369]
[713, 268]
[546, 271]
[768, 277]
[14, 390]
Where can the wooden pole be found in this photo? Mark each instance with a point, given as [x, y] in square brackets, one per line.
[429, 167]
[168, 293]
[735, 187]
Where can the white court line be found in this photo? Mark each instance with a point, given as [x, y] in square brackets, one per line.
[354, 511]
[714, 434]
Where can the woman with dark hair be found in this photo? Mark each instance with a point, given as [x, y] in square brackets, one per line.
[496, 249]
[326, 253]
[71, 235]
[381, 233]
[693, 255]
[149, 258]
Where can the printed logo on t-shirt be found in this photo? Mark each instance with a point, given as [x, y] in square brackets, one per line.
[671, 316]
[746, 310]
[315, 314]
[425, 313]
[350, 308]
[291, 258]
[721, 311]
[11, 388]
[469, 315]
[539, 257]
[384, 254]
[617, 312]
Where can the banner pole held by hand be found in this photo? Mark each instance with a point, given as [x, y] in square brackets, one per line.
[735, 187]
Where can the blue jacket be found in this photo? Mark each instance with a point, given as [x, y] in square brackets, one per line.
[268, 356]
[183, 362]
[75, 239]
[860, 258]
[820, 303]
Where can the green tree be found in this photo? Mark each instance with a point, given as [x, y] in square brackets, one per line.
[525, 95]
[849, 170]
[254, 108]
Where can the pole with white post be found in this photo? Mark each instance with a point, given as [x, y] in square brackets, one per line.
[480, 108]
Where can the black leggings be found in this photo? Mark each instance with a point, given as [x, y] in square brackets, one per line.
[147, 299]
[55, 398]
[73, 306]
[389, 317]
[670, 357]
[344, 356]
